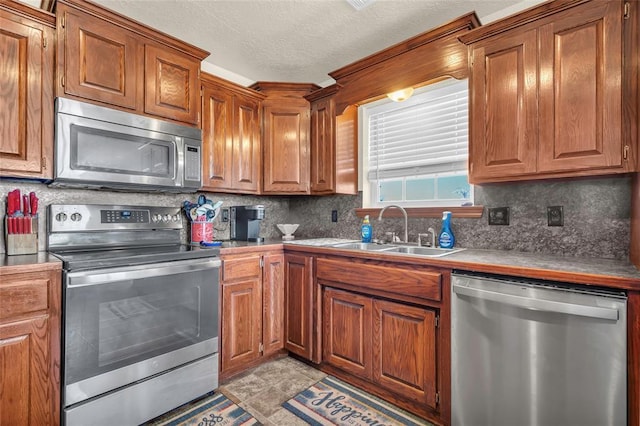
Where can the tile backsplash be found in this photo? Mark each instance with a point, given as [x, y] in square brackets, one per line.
[596, 218]
[596, 215]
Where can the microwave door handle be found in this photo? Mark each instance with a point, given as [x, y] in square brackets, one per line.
[178, 146]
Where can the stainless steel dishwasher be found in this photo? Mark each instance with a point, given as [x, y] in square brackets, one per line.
[536, 353]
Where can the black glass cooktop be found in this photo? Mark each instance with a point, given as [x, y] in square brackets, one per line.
[99, 259]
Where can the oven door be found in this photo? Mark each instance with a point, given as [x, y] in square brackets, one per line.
[127, 324]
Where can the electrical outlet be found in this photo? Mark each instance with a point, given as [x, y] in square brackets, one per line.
[334, 215]
[555, 216]
[224, 215]
[499, 216]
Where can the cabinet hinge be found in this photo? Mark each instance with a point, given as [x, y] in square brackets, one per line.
[437, 321]
[625, 152]
[262, 262]
[44, 163]
[627, 10]
[62, 21]
[437, 398]
[62, 81]
[261, 348]
[44, 41]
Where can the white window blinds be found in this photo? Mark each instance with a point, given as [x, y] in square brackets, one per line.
[428, 133]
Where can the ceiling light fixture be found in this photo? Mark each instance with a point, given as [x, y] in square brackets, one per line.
[360, 4]
[401, 95]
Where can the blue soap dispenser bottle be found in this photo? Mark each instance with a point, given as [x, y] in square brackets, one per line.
[366, 230]
[446, 238]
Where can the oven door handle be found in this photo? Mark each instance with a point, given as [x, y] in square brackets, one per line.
[102, 276]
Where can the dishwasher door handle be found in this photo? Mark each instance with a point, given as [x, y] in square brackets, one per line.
[539, 304]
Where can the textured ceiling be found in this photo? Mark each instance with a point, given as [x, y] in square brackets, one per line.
[296, 40]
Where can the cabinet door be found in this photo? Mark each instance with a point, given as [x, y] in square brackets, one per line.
[503, 106]
[346, 151]
[322, 147]
[347, 332]
[286, 148]
[246, 164]
[102, 61]
[241, 324]
[26, 98]
[217, 138]
[24, 379]
[273, 303]
[241, 311]
[171, 84]
[299, 305]
[404, 350]
[581, 94]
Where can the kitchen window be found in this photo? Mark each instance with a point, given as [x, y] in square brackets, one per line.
[416, 151]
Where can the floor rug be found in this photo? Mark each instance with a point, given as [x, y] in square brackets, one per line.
[333, 402]
[215, 410]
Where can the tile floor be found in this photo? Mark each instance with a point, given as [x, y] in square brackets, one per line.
[262, 390]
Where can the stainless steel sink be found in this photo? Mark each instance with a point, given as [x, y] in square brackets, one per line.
[364, 246]
[398, 249]
[426, 251]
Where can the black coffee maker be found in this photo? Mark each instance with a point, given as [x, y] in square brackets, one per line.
[245, 223]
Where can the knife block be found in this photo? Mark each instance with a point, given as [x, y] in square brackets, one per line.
[21, 243]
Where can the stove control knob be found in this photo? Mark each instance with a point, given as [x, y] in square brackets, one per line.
[176, 218]
[76, 217]
[61, 217]
[167, 218]
[154, 218]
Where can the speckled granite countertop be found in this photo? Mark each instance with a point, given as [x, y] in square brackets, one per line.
[602, 272]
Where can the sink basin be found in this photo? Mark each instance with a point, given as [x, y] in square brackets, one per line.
[364, 246]
[426, 251]
[396, 249]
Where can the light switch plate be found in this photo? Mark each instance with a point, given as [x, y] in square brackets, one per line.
[499, 216]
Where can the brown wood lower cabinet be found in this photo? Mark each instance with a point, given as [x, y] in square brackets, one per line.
[299, 303]
[381, 330]
[404, 350]
[30, 348]
[252, 302]
[388, 343]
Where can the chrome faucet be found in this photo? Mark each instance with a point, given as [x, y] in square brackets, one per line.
[404, 212]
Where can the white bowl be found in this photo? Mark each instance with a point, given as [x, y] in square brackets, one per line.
[287, 229]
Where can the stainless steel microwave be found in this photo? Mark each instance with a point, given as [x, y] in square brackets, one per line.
[98, 147]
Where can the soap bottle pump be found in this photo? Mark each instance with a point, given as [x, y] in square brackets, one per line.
[366, 230]
[446, 238]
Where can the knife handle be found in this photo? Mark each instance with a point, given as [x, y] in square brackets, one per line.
[33, 200]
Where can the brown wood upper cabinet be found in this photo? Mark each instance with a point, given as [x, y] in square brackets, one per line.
[334, 145]
[231, 137]
[26, 98]
[285, 137]
[108, 59]
[547, 93]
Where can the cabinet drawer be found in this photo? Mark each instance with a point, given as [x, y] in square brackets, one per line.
[243, 267]
[23, 297]
[424, 284]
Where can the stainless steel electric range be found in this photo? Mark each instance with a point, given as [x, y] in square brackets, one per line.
[140, 313]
